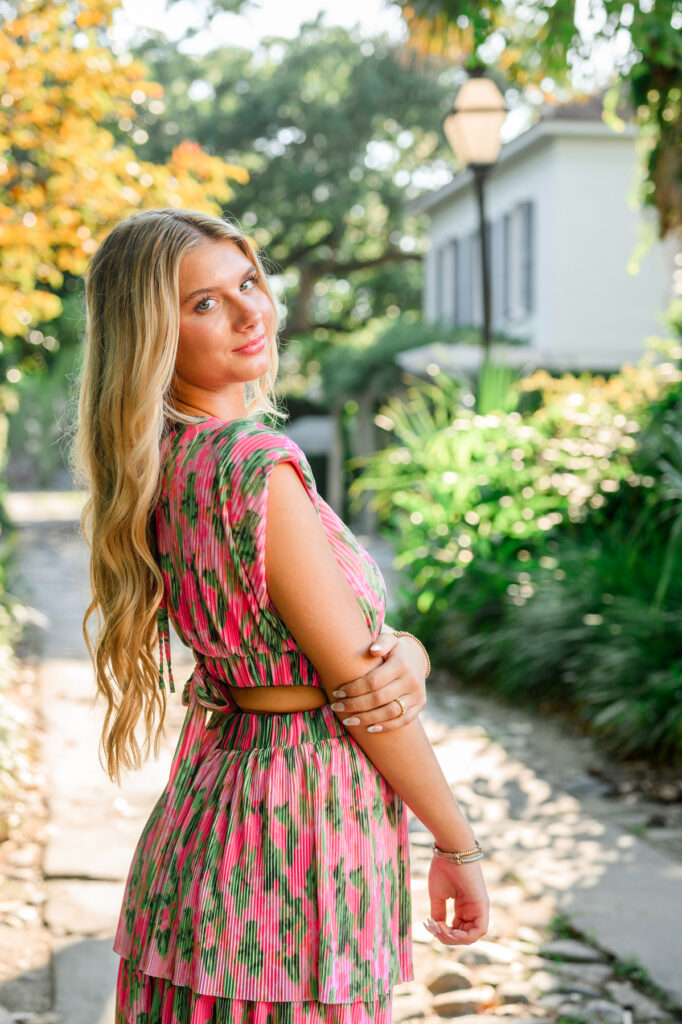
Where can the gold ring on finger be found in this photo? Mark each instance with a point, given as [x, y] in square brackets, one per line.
[403, 709]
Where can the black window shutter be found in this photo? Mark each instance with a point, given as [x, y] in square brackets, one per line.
[527, 251]
[506, 256]
[475, 281]
[496, 270]
[439, 282]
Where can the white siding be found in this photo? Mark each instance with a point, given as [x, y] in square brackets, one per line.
[562, 234]
[601, 308]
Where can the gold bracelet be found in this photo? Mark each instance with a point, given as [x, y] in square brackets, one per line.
[403, 632]
[460, 856]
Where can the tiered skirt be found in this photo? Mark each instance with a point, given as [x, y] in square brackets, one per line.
[271, 882]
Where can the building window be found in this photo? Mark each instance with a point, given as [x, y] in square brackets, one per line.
[455, 249]
[475, 298]
[465, 281]
[466, 276]
[459, 271]
[518, 248]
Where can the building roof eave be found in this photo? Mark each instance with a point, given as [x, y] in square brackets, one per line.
[521, 145]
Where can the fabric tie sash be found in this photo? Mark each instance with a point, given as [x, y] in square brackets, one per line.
[209, 692]
[202, 693]
[164, 644]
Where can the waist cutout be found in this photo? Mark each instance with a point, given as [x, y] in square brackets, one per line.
[278, 699]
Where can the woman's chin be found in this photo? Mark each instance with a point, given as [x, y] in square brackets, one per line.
[256, 368]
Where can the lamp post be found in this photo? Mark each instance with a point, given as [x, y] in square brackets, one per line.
[473, 131]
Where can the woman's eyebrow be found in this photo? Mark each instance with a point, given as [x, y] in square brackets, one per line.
[216, 287]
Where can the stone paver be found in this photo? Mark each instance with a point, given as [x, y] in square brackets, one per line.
[555, 843]
[613, 886]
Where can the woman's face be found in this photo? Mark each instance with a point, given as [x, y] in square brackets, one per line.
[223, 307]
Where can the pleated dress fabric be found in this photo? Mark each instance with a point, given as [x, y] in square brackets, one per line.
[271, 881]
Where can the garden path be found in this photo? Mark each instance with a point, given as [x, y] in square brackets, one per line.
[559, 844]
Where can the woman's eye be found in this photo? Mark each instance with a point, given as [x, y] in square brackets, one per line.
[200, 308]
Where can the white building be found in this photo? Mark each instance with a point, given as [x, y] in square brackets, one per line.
[563, 226]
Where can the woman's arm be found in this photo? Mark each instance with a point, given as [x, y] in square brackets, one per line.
[313, 597]
[399, 671]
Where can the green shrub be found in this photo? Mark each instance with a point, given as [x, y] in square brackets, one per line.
[540, 552]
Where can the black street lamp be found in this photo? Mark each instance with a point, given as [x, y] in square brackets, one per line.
[473, 131]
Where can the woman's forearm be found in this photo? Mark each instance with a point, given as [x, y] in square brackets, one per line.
[408, 762]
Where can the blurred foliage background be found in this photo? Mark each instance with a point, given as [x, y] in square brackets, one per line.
[537, 528]
[536, 521]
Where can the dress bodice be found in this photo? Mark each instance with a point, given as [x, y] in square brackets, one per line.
[210, 533]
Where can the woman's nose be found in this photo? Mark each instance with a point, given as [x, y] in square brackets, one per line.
[247, 315]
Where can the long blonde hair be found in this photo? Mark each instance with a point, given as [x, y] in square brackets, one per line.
[124, 401]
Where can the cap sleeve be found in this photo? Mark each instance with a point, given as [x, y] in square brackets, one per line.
[246, 462]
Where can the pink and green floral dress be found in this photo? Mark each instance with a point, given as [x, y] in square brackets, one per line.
[271, 882]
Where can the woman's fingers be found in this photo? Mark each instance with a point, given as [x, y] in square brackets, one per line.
[370, 701]
[379, 687]
[378, 706]
[451, 935]
[366, 692]
[384, 643]
[382, 720]
[398, 720]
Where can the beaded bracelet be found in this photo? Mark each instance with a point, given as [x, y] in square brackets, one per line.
[460, 856]
[403, 632]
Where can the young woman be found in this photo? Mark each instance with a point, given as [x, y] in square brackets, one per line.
[270, 883]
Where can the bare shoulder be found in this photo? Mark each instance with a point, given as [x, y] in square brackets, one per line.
[287, 491]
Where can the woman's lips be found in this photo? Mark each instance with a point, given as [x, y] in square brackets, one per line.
[253, 346]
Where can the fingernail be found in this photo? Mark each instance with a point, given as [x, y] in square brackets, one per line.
[338, 693]
[374, 728]
[338, 706]
[351, 721]
[375, 647]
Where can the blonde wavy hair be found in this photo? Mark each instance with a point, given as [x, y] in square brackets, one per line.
[124, 402]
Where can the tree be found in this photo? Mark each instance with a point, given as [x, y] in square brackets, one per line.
[66, 175]
[535, 45]
[334, 130]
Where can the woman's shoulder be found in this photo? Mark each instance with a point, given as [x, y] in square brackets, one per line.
[253, 441]
[227, 437]
[246, 452]
[241, 452]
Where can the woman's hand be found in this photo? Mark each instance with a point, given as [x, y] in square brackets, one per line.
[370, 700]
[464, 883]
